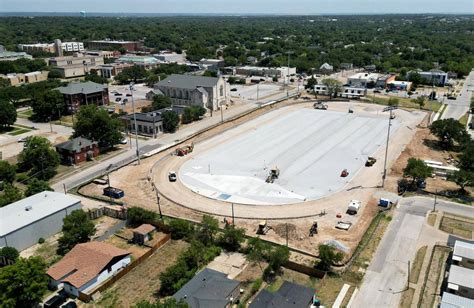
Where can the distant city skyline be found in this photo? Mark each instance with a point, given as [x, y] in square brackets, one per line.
[296, 7]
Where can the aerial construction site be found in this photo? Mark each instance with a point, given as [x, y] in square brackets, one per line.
[288, 164]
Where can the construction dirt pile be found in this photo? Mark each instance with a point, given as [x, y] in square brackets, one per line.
[281, 230]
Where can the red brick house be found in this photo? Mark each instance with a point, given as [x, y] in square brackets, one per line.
[84, 93]
[77, 150]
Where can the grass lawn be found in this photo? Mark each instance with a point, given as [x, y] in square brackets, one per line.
[417, 264]
[434, 276]
[432, 219]
[407, 298]
[463, 119]
[18, 131]
[457, 225]
[25, 114]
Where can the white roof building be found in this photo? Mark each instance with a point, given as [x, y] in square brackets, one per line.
[23, 222]
[454, 301]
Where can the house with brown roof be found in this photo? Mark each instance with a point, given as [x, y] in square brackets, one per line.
[77, 150]
[143, 233]
[86, 266]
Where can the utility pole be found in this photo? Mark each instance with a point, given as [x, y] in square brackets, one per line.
[434, 203]
[158, 201]
[386, 148]
[408, 278]
[233, 217]
[257, 92]
[288, 76]
[135, 122]
[286, 227]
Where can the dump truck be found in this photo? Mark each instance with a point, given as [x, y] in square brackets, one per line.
[353, 207]
[273, 175]
[185, 150]
[370, 161]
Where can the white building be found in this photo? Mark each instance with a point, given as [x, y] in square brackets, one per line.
[461, 281]
[277, 72]
[463, 254]
[347, 92]
[361, 80]
[170, 57]
[24, 222]
[435, 77]
[86, 266]
[49, 47]
[189, 90]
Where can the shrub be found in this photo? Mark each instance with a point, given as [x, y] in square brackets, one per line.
[181, 229]
[137, 216]
[41, 240]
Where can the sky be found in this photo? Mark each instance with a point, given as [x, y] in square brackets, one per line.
[241, 6]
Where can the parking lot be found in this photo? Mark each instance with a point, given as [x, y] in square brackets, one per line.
[123, 92]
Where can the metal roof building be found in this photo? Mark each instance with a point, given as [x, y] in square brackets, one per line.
[24, 222]
[454, 301]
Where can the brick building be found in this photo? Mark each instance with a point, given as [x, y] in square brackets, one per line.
[105, 44]
[77, 150]
[84, 93]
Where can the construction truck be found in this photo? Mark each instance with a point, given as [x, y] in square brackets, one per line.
[370, 161]
[320, 105]
[314, 229]
[263, 227]
[273, 175]
[185, 150]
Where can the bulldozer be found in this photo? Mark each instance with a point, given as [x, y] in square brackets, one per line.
[263, 227]
[370, 161]
[273, 175]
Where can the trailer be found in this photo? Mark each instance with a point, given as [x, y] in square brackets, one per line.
[343, 225]
[353, 207]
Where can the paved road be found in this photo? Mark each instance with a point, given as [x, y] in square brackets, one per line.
[162, 141]
[9, 145]
[457, 108]
[386, 276]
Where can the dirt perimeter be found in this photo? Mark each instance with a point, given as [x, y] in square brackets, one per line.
[179, 201]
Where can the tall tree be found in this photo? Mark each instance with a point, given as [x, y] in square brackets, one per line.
[9, 195]
[463, 179]
[334, 86]
[23, 283]
[208, 229]
[39, 158]
[170, 121]
[328, 255]
[257, 250]
[448, 131]
[417, 169]
[232, 238]
[7, 172]
[96, 124]
[7, 114]
[48, 105]
[77, 228]
[36, 186]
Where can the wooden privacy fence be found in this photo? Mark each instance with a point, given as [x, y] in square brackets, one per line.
[304, 269]
[87, 297]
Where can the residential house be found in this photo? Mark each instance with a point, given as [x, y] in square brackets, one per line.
[326, 68]
[77, 150]
[148, 124]
[24, 222]
[210, 289]
[189, 90]
[84, 93]
[288, 295]
[143, 233]
[86, 266]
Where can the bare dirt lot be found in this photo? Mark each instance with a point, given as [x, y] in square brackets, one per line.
[142, 282]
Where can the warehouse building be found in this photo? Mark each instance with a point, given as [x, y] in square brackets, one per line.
[24, 222]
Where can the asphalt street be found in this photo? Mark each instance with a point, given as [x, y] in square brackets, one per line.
[457, 108]
[387, 275]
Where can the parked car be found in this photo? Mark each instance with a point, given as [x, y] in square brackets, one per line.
[22, 139]
[233, 89]
[172, 176]
[124, 141]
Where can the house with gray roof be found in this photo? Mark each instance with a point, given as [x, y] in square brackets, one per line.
[77, 94]
[190, 90]
[77, 150]
[289, 295]
[210, 289]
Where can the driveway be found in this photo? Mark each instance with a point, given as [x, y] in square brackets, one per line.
[386, 276]
[457, 108]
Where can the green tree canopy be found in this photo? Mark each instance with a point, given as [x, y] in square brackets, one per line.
[448, 131]
[170, 121]
[94, 77]
[77, 228]
[36, 186]
[257, 251]
[466, 159]
[232, 238]
[328, 255]
[7, 172]
[463, 179]
[9, 253]
[169, 302]
[278, 257]
[9, 195]
[417, 169]
[420, 100]
[96, 124]
[39, 158]
[207, 231]
[334, 86]
[393, 101]
[48, 105]
[7, 114]
[23, 283]
[181, 228]
[129, 74]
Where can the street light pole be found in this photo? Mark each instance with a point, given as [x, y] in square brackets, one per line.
[135, 122]
[288, 76]
[386, 149]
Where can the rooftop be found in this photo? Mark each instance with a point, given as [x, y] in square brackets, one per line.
[151, 117]
[464, 250]
[461, 276]
[188, 81]
[84, 262]
[289, 295]
[138, 59]
[368, 76]
[113, 42]
[82, 87]
[76, 144]
[26, 211]
[209, 288]
[144, 229]
[454, 301]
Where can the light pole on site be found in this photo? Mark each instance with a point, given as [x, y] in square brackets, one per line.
[288, 75]
[390, 108]
[135, 122]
